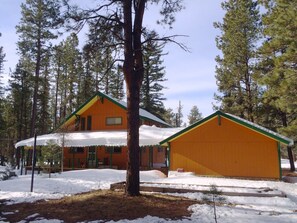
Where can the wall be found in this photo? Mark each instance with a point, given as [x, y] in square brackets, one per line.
[228, 149]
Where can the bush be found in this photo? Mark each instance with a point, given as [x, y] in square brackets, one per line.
[6, 173]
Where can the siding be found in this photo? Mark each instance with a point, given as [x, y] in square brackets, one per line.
[228, 149]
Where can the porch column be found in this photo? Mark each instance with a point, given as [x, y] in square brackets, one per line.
[22, 150]
[151, 157]
[110, 157]
[168, 155]
[140, 156]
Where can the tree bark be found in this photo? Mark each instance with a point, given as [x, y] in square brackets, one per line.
[133, 72]
[36, 83]
[291, 158]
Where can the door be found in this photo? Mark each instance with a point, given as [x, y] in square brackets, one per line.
[92, 157]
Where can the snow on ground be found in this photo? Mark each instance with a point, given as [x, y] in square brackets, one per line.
[71, 182]
[285, 163]
[243, 209]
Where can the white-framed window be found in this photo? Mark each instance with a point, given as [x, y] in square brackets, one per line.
[114, 121]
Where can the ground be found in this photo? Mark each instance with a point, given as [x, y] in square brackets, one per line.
[102, 204]
[83, 196]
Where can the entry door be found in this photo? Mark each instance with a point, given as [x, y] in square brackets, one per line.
[92, 157]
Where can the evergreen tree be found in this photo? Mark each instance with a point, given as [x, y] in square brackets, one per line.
[235, 70]
[89, 81]
[117, 84]
[39, 18]
[2, 60]
[278, 65]
[44, 118]
[169, 116]
[57, 67]
[194, 115]
[2, 106]
[71, 73]
[179, 115]
[102, 62]
[21, 92]
[151, 96]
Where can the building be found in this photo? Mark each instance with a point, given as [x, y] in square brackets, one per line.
[104, 114]
[95, 136]
[225, 145]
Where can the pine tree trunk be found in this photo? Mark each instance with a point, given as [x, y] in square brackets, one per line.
[132, 181]
[56, 93]
[133, 72]
[36, 83]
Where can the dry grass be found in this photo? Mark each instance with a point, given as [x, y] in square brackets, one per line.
[102, 205]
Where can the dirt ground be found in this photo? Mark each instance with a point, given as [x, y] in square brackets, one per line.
[101, 205]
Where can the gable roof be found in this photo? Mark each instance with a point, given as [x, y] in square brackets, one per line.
[145, 115]
[250, 125]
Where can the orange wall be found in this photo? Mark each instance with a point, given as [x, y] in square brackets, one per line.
[157, 156]
[100, 111]
[228, 149]
[80, 160]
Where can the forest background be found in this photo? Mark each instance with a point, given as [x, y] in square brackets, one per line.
[256, 73]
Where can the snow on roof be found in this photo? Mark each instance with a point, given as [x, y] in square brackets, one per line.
[143, 113]
[256, 126]
[238, 120]
[148, 136]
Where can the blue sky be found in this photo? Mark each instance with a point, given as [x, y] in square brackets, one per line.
[190, 74]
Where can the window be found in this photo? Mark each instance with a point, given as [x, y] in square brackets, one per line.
[83, 124]
[114, 121]
[160, 150]
[89, 122]
[76, 150]
[113, 150]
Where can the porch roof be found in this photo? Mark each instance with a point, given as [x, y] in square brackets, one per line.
[148, 136]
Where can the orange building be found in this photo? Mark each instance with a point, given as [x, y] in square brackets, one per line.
[104, 113]
[225, 145]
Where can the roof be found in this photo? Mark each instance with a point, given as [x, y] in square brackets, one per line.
[148, 136]
[100, 96]
[250, 125]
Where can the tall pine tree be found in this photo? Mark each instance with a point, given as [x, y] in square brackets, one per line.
[278, 65]
[39, 18]
[2, 60]
[194, 115]
[2, 121]
[102, 61]
[235, 68]
[151, 96]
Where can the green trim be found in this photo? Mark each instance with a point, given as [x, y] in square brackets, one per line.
[238, 120]
[279, 160]
[101, 97]
[168, 152]
[260, 130]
